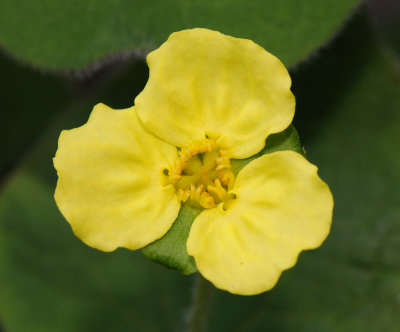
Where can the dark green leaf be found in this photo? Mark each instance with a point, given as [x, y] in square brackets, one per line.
[65, 34]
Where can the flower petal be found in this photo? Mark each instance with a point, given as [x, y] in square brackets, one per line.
[215, 85]
[282, 207]
[110, 186]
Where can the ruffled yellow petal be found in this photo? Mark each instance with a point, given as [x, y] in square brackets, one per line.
[110, 182]
[282, 207]
[205, 83]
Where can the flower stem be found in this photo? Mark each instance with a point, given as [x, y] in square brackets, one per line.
[199, 308]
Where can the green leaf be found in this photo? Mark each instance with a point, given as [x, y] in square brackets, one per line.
[170, 250]
[71, 34]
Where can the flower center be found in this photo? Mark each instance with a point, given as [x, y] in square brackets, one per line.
[202, 175]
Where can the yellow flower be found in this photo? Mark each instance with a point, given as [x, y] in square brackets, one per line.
[210, 98]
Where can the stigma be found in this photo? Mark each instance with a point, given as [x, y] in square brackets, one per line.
[202, 175]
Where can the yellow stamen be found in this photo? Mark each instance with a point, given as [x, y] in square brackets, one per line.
[227, 178]
[218, 190]
[202, 175]
[183, 194]
[206, 200]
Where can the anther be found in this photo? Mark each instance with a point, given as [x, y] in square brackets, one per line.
[175, 178]
[195, 193]
[201, 175]
[218, 190]
[185, 154]
[227, 178]
[220, 167]
[183, 195]
[206, 200]
[223, 161]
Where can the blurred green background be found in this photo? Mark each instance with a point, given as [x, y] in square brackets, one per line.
[58, 59]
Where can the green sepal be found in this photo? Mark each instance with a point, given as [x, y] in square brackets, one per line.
[285, 140]
[170, 250]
